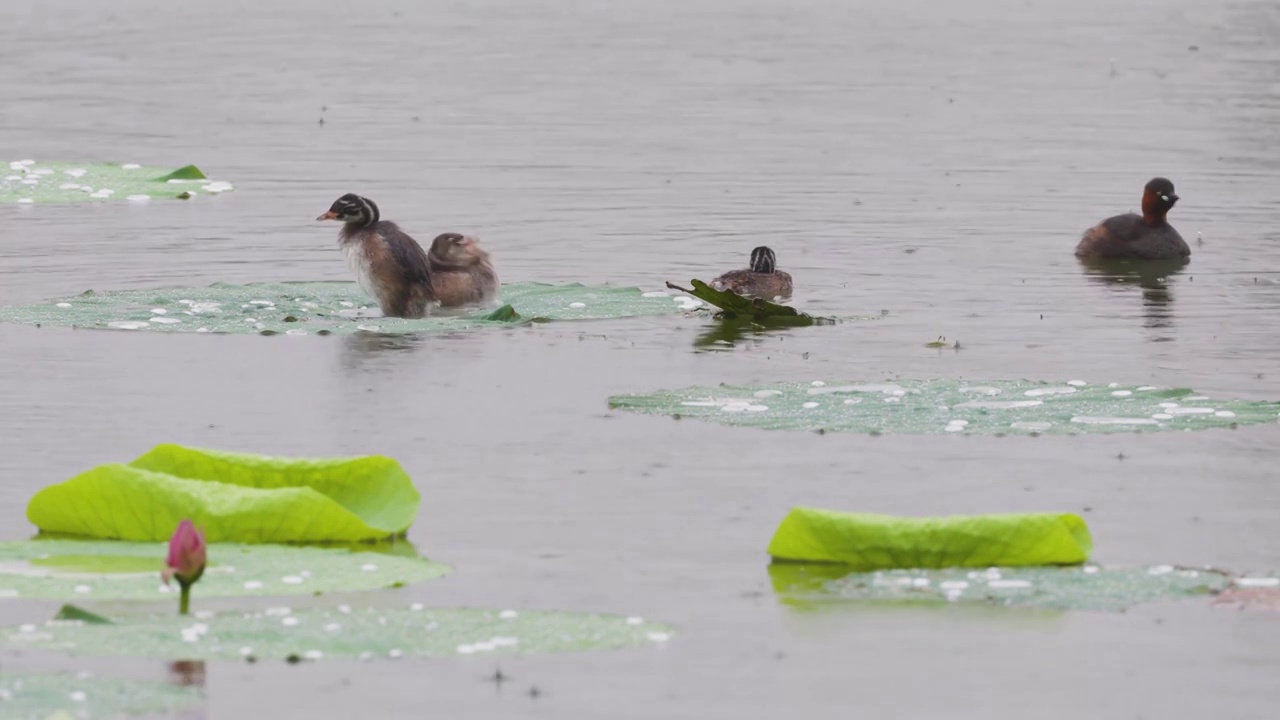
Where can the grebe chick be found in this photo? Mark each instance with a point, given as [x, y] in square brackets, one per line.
[461, 273]
[1141, 237]
[762, 281]
[389, 265]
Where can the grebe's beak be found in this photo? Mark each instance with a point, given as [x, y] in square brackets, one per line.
[331, 215]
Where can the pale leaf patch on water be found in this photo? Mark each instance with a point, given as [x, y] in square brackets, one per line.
[1258, 582]
[324, 633]
[1089, 587]
[1000, 404]
[129, 182]
[1037, 392]
[116, 570]
[59, 695]
[945, 406]
[1094, 420]
[333, 307]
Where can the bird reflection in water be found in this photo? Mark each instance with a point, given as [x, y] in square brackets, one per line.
[372, 343]
[731, 334]
[364, 352]
[189, 674]
[1149, 276]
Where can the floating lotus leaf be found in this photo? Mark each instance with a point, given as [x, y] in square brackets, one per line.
[26, 181]
[948, 406]
[235, 497]
[1064, 588]
[77, 695]
[90, 570]
[280, 633]
[863, 541]
[327, 307]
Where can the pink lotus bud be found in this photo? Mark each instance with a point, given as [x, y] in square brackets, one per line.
[186, 554]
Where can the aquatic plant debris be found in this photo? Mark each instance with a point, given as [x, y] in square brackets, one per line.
[234, 497]
[28, 182]
[93, 570]
[737, 307]
[865, 541]
[385, 634]
[80, 695]
[1090, 587]
[1251, 596]
[920, 407]
[308, 308]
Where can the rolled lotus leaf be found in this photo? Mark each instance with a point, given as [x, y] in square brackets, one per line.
[234, 497]
[735, 306]
[865, 542]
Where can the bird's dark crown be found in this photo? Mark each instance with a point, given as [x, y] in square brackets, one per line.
[763, 260]
[352, 208]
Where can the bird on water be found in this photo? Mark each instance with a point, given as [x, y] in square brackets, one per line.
[762, 280]
[1148, 236]
[392, 268]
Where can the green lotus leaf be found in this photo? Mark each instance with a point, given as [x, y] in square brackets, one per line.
[1089, 587]
[327, 307]
[282, 633]
[94, 570]
[28, 182]
[863, 541]
[953, 407]
[233, 497]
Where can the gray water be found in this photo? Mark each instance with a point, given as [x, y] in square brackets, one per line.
[935, 160]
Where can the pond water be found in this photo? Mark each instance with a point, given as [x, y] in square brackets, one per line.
[937, 161]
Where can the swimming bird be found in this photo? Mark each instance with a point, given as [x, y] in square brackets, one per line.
[461, 272]
[763, 280]
[389, 265]
[1148, 236]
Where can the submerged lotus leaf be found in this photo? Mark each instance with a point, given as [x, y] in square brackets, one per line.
[236, 497]
[1250, 597]
[947, 406]
[1059, 588]
[863, 541]
[88, 570]
[30, 182]
[280, 633]
[326, 307]
[82, 695]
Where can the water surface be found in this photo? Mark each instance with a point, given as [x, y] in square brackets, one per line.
[935, 160]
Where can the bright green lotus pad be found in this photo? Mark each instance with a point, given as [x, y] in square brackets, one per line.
[328, 307]
[947, 406]
[1064, 588]
[233, 497]
[26, 181]
[863, 541]
[280, 632]
[87, 570]
[47, 697]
